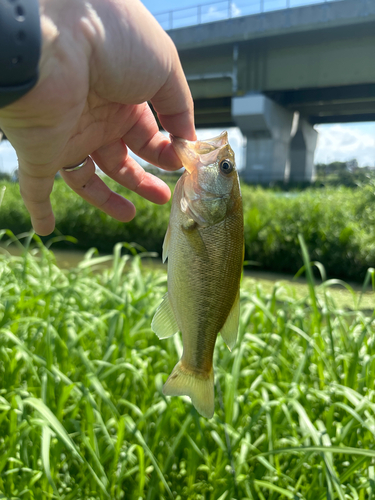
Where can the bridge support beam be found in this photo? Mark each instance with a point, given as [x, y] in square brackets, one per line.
[277, 150]
[267, 127]
[302, 150]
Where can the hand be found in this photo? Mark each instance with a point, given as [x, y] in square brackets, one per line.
[101, 62]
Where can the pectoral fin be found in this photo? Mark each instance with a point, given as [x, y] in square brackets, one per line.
[166, 242]
[194, 238]
[230, 328]
[164, 323]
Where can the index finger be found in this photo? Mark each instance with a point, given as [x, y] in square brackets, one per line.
[35, 192]
[174, 104]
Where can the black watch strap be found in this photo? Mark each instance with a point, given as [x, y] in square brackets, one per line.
[20, 46]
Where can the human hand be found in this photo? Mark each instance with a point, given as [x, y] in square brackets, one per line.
[101, 62]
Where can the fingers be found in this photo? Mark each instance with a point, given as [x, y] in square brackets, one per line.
[35, 192]
[145, 140]
[117, 164]
[141, 64]
[174, 103]
[91, 188]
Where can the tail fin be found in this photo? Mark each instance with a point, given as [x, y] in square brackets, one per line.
[200, 388]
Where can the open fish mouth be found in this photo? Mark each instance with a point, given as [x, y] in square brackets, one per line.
[199, 153]
[209, 145]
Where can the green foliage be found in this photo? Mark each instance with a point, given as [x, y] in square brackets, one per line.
[340, 173]
[337, 223]
[82, 414]
[4, 176]
[89, 225]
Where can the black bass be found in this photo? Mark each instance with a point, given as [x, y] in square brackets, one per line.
[204, 247]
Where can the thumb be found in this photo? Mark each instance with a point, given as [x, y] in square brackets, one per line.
[35, 192]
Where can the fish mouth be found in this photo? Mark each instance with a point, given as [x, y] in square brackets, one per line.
[209, 145]
[199, 153]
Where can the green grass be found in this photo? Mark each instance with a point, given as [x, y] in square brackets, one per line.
[82, 414]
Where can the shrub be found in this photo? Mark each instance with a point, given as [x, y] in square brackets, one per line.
[338, 225]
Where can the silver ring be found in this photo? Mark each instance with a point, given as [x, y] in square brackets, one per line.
[76, 167]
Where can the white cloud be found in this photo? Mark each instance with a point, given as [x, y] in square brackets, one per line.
[344, 142]
[213, 14]
[236, 11]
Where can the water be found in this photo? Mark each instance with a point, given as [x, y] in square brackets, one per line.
[69, 259]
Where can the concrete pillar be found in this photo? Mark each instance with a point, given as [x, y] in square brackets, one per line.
[302, 151]
[267, 127]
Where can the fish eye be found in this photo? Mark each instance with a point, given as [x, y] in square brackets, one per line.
[226, 166]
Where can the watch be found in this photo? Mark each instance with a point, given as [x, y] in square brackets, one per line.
[20, 47]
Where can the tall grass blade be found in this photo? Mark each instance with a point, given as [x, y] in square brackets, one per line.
[46, 442]
[40, 407]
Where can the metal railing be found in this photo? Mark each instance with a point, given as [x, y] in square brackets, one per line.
[226, 9]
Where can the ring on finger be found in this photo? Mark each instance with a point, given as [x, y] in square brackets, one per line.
[75, 167]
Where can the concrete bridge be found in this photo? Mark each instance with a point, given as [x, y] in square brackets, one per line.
[276, 74]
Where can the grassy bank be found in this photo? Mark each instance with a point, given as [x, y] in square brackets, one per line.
[338, 225]
[82, 415]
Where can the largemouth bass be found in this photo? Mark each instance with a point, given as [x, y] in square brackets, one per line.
[204, 247]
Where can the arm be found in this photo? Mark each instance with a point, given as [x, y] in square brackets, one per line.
[101, 61]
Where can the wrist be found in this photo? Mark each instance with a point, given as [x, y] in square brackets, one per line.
[64, 49]
[20, 41]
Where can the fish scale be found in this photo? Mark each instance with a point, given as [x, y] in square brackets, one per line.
[204, 245]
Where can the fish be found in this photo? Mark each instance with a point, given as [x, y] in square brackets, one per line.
[204, 245]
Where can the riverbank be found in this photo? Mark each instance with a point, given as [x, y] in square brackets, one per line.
[346, 295]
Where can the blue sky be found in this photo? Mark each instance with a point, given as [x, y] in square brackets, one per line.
[162, 5]
[239, 7]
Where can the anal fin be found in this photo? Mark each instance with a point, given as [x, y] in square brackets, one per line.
[164, 323]
[230, 328]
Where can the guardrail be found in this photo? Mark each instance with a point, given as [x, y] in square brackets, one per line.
[226, 9]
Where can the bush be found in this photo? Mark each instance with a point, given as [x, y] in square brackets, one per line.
[337, 223]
